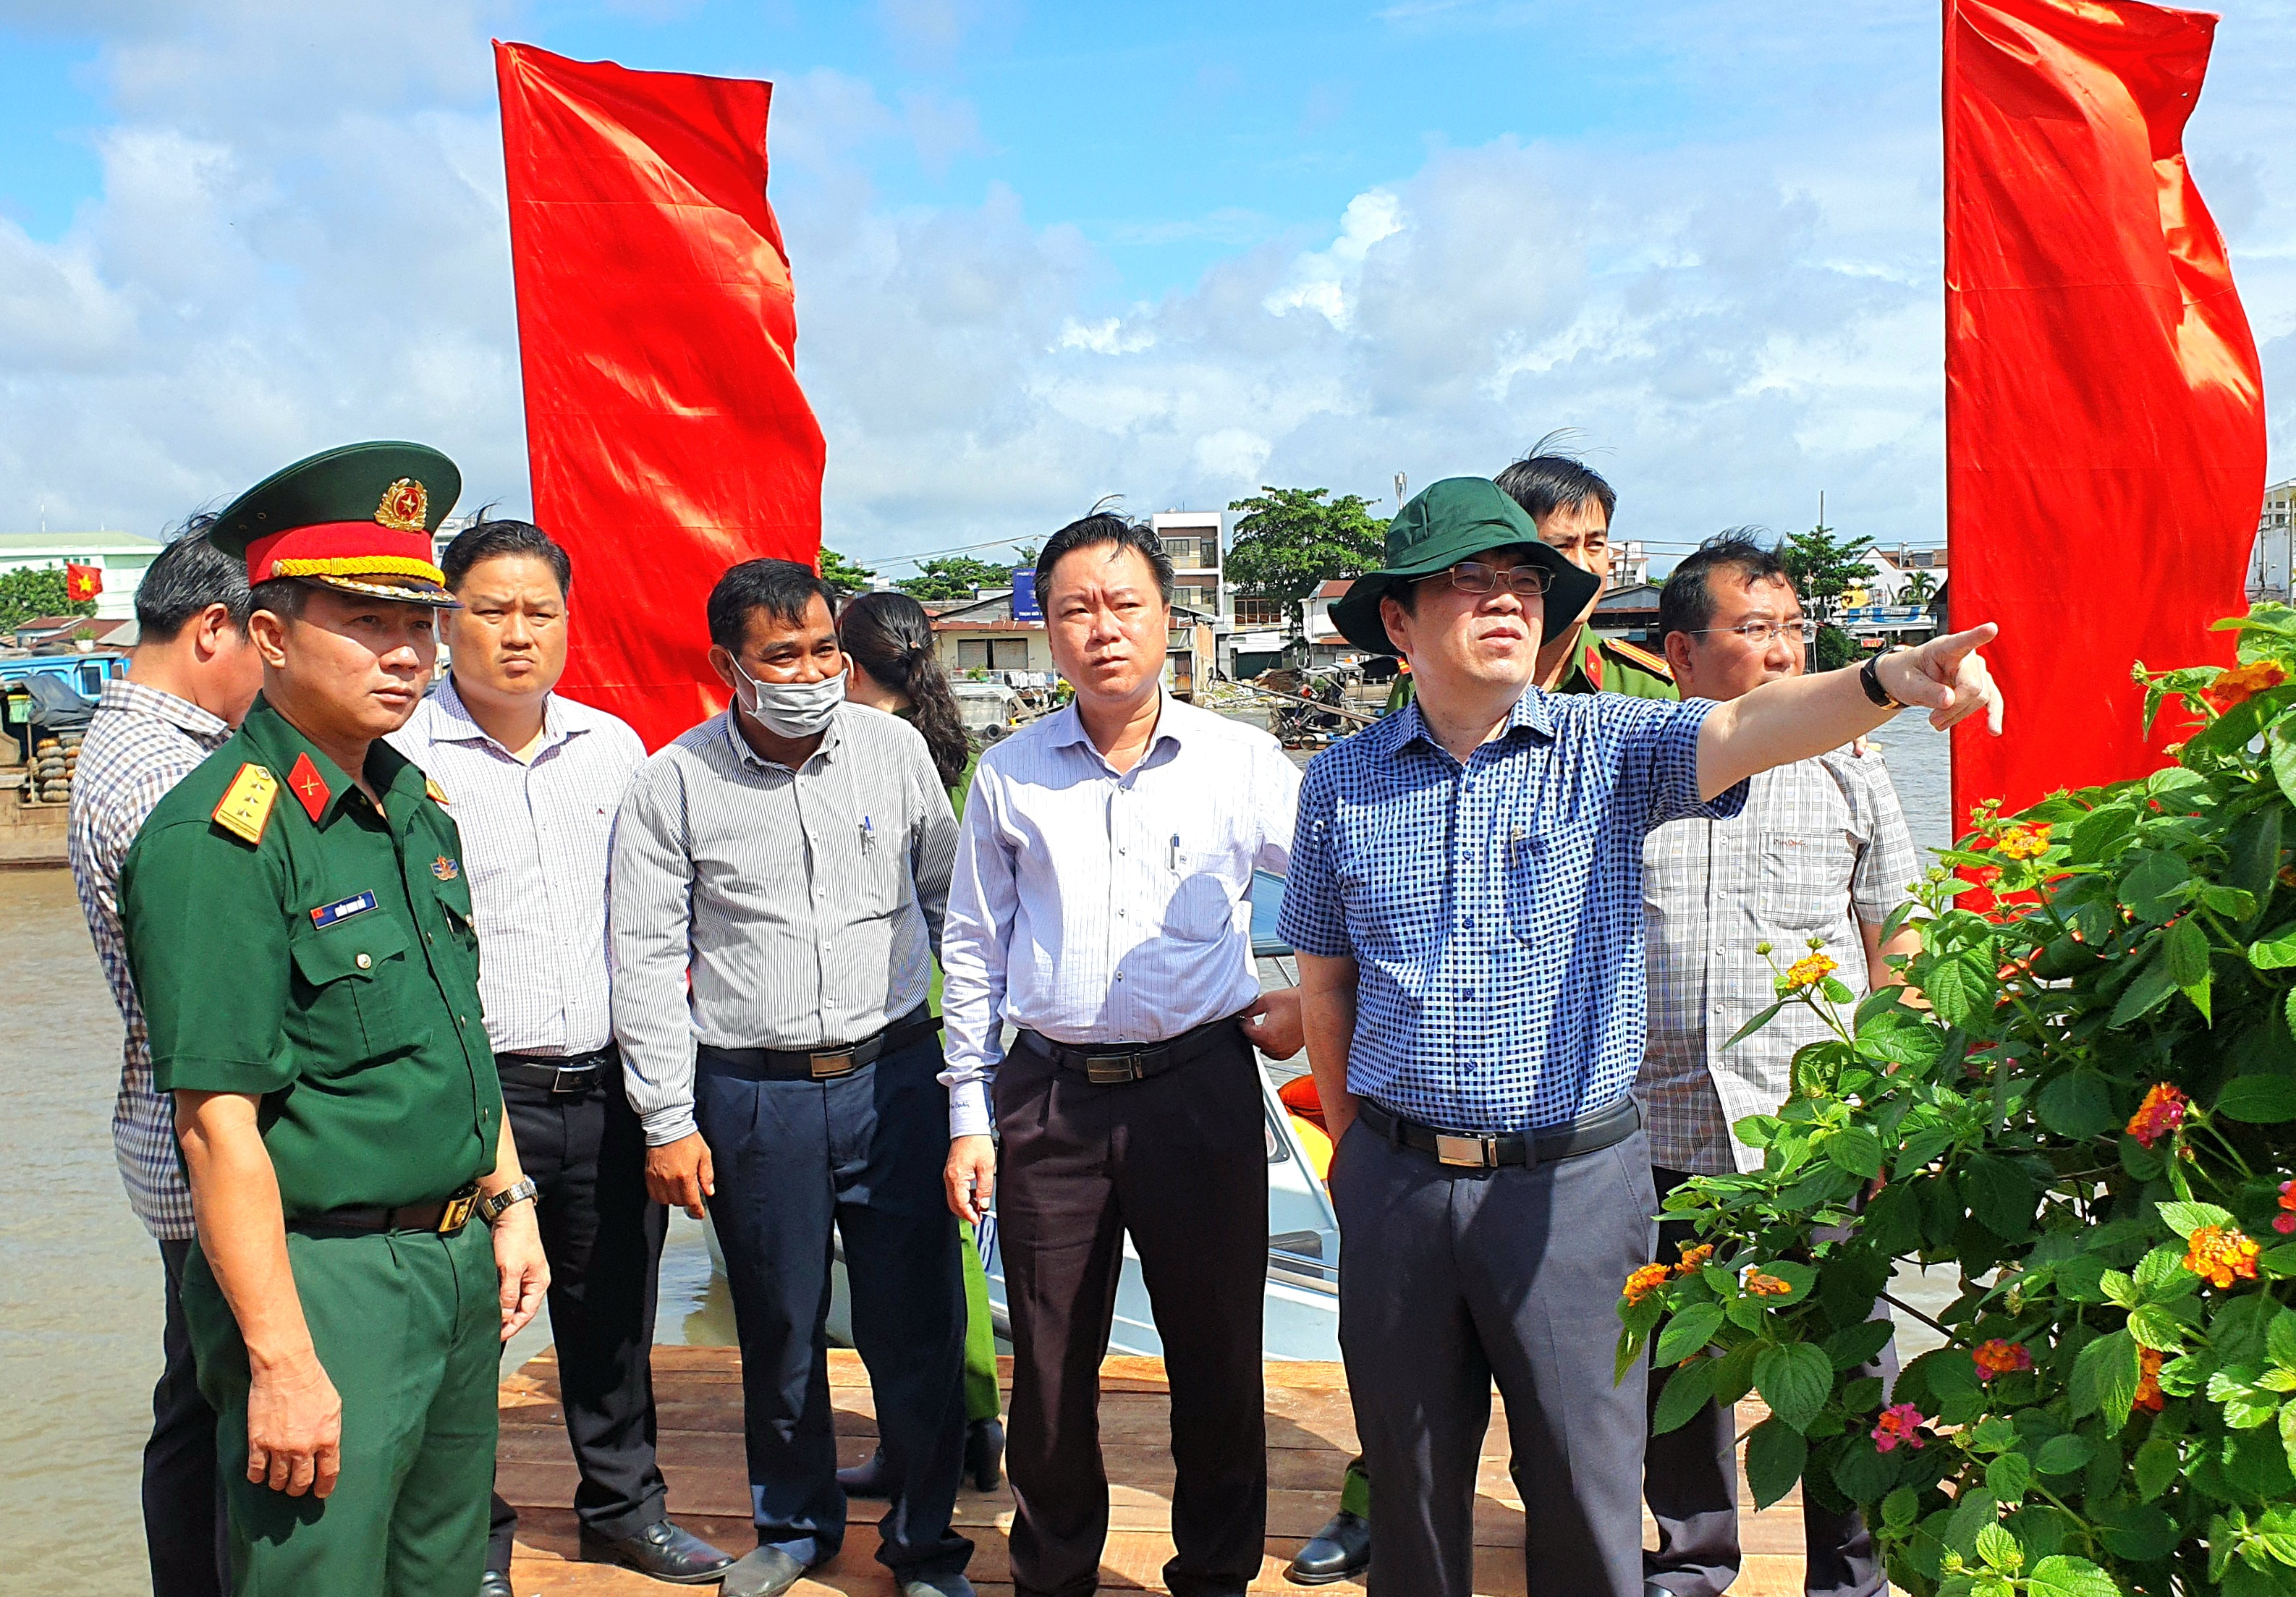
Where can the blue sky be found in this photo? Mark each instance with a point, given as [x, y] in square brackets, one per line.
[1046, 253]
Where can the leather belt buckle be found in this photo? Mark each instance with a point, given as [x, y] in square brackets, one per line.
[457, 1213]
[1108, 1069]
[1472, 1153]
[574, 1079]
[829, 1066]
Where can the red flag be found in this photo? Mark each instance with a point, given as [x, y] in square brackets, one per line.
[667, 433]
[2104, 420]
[82, 582]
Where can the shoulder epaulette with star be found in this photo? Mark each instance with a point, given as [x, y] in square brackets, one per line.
[246, 807]
[1641, 659]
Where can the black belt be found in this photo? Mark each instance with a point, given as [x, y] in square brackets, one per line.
[825, 1064]
[1110, 1064]
[445, 1217]
[1600, 1128]
[578, 1073]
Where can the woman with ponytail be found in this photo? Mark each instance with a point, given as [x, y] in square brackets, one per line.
[888, 639]
[889, 652]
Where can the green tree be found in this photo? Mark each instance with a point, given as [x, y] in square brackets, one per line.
[1921, 587]
[1289, 540]
[40, 592]
[1825, 567]
[846, 576]
[955, 577]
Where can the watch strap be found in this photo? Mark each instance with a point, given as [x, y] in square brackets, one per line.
[509, 1198]
[1869, 677]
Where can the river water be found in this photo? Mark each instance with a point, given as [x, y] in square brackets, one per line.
[80, 1289]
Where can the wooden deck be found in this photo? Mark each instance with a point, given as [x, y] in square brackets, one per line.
[1311, 1436]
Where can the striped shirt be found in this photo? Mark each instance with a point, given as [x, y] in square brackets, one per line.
[804, 904]
[538, 840]
[1494, 908]
[1090, 906]
[1820, 848]
[142, 743]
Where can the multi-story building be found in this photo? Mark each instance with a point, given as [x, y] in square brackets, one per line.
[1195, 539]
[122, 556]
[2268, 564]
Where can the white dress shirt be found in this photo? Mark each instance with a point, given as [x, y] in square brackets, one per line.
[1090, 906]
[537, 842]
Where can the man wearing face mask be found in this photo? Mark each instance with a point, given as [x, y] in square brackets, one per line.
[792, 856]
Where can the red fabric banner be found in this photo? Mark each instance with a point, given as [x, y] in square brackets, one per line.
[2105, 419]
[667, 436]
[82, 582]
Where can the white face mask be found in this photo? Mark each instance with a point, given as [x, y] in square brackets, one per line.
[791, 710]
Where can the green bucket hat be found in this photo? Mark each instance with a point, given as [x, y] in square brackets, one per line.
[1445, 523]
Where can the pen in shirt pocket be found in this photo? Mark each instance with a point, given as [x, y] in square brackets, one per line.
[868, 836]
[1175, 853]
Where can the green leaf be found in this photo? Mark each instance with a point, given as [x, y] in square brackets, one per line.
[2280, 1340]
[1835, 993]
[1972, 1513]
[1687, 1391]
[2139, 1533]
[2062, 1456]
[2156, 1465]
[1863, 1472]
[2187, 953]
[1854, 1345]
[2280, 1261]
[1795, 1380]
[2151, 989]
[1999, 1550]
[1901, 1508]
[2185, 1218]
[2008, 1476]
[2077, 1105]
[2062, 1575]
[1688, 1332]
[2258, 1100]
[2246, 1405]
[2158, 884]
[2104, 1378]
[1859, 1151]
[2155, 1326]
[1775, 1454]
[1955, 987]
[2275, 953]
[1755, 1025]
[2162, 1276]
[2288, 1433]
[2000, 1194]
[2255, 858]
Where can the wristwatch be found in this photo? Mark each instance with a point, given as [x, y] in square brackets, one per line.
[1869, 677]
[519, 1192]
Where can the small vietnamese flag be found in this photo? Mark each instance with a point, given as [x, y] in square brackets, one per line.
[82, 582]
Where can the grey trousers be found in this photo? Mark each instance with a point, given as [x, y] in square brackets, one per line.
[1451, 1279]
[1691, 1480]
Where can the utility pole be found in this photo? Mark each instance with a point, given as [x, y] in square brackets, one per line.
[1400, 488]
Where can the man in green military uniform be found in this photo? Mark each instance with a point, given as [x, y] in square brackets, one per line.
[300, 930]
[1571, 504]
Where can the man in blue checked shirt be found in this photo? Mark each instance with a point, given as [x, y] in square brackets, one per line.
[1466, 899]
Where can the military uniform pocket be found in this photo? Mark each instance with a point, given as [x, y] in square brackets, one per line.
[356, 1014]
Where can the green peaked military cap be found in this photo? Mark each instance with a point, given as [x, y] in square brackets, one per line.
[1447, 522]
[358, 518]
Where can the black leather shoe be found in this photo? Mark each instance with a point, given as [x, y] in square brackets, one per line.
[867, 1479]
[1341, 1550]
[662, 1551]
[984, 1454]
[767, 1572]
[494, 1583]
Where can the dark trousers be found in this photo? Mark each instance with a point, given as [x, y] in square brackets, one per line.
[183, 1500]
[1180, 1161]
[585, 1152]
[1689, 1478]
[1453, 1278]
[863, 1152]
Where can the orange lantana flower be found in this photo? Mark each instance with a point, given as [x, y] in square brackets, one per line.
[1643, 1282]
[2219, 1253]
[2242, 682]
[2148, 1381]
[1693, 1257]
[1808, 971]
[2160, 1113]
[2026, 842]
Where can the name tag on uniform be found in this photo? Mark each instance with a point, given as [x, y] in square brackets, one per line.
[327, 914]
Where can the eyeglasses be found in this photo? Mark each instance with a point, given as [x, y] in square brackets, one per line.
[1759, 633]
[1473, 577]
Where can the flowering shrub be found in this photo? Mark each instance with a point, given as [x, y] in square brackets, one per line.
[2087, 1115]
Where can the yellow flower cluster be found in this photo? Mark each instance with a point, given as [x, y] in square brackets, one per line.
[1645, 1281]
[2218, 1253]
[1809, 971]
[1766, 1286]
[2025, 842]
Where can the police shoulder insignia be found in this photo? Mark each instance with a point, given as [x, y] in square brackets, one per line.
[438, 794]
[246, 807]
[1641, 659]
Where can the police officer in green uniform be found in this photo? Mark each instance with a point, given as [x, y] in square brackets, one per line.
[300, 930]
[1571, 504]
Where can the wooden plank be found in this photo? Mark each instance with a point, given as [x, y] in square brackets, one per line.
[1311, 1434]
